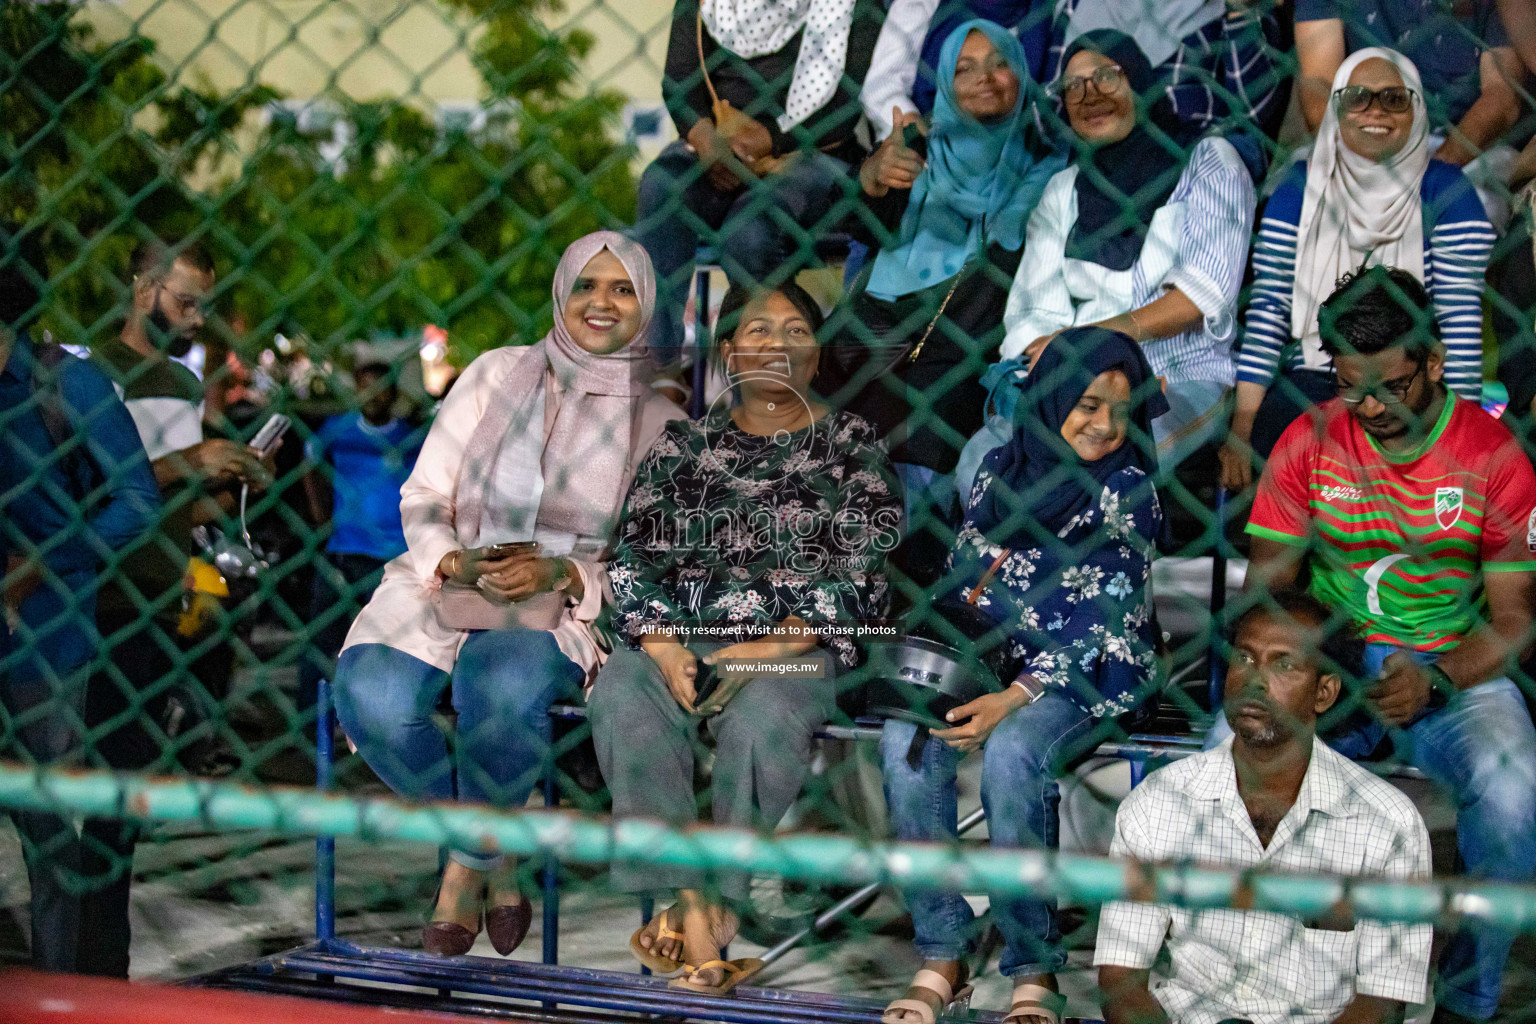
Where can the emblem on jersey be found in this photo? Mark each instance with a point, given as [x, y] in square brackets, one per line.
[1447, 506]
[1530, 531]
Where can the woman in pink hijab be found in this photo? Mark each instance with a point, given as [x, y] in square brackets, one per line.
[509, 516]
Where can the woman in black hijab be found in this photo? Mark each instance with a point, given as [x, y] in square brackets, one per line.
[1053, 557]
[1145, 233]
[1122, 184]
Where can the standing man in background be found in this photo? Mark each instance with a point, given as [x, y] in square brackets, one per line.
[137, 613]
[368, 454]
[75, 483]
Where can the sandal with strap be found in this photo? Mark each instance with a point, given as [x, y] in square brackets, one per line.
[661, 966]
[936, 983]
[736, 972]
[1036, 1001]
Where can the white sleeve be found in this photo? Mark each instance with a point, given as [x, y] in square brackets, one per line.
[1213, 246]
[893, 66]
[1038, 302]
[1392, 958]
[1131, 934]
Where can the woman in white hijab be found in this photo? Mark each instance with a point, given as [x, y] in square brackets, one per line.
[509, 516]
[1370, 196]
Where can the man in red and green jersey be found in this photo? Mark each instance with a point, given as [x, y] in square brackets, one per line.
[1415, 513]
[1402, 537]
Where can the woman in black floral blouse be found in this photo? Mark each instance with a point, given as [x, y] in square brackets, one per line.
[757, 527]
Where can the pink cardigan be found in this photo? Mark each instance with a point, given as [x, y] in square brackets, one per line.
[401, 614]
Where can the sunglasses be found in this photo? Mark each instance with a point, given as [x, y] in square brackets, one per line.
[1357, 99]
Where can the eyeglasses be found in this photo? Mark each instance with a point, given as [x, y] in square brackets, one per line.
[975, 71]
[187, 303]
[1388, 392]
[1105, 79]
[1357, 99]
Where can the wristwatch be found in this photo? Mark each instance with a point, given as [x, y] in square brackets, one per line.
[1441, 688]
[563, 580]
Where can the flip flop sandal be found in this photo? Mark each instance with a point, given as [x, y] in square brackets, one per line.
[1036, 1001]
[934, 982]
[660, 965]
[736, 972]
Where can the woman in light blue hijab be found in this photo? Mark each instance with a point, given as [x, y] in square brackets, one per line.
[947, 212]
[981, 180]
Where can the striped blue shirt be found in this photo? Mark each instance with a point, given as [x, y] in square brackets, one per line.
[1457, 243]
[1197, 242]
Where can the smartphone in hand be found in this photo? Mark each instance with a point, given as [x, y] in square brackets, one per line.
[705, 683]
[270, 435]
[518, 547]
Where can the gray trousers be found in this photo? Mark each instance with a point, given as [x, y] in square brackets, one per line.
[646, 744]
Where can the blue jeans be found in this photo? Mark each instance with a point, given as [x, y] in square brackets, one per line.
[1020, 763]
[503, 685]
[43, 670]
[1197, 413]
[1482, 749]
[761, 233]
[342, 584]
[932, 517]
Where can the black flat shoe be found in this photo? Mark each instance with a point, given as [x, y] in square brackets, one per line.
[508, 926]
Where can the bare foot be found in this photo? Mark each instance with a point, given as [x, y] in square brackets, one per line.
[954, 972]
[461, 896]
[724, 930]
[671, 949]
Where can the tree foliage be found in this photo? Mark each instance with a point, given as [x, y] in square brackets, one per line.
[410, 222]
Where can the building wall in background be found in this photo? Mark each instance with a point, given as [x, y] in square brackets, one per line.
[373, 49]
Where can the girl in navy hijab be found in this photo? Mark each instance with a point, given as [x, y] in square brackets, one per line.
[1055, 553]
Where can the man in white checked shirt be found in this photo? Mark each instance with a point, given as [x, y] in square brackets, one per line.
[1270, 797]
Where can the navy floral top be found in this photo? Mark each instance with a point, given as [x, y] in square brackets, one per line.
[1077, 609]
[722, 527]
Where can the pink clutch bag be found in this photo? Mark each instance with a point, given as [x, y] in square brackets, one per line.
[461, 606]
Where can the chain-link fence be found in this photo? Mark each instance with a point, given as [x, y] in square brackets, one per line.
[967, 347]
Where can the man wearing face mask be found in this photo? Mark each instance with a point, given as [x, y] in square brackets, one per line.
[1414, 513]
[138, 608]
[1272, 798]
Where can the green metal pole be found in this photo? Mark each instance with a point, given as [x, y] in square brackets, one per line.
[806, 856]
